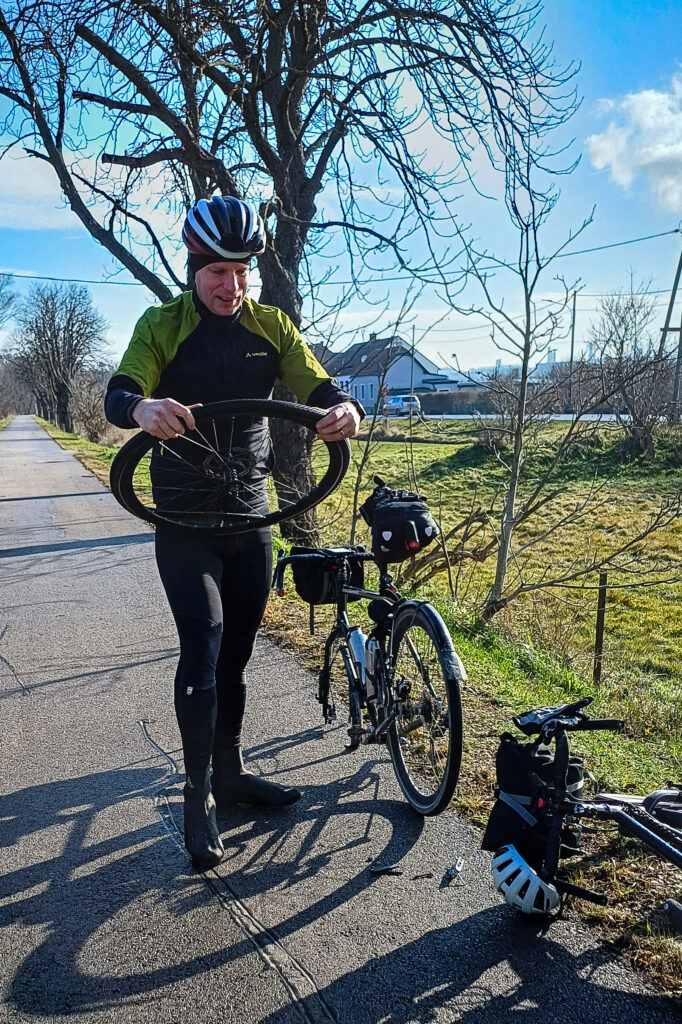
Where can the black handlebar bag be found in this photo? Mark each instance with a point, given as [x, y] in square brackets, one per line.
[525, 776]
[315, 581]
[401, 523]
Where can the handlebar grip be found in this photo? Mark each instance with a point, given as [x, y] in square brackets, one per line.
[614, 724]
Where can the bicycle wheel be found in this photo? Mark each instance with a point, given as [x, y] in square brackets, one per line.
[425, 741]
[215, 478]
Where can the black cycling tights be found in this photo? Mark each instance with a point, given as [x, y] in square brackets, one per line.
[217, 588]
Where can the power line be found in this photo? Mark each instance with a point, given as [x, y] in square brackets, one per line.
[72, 280]
[614, 245]
[369, 280]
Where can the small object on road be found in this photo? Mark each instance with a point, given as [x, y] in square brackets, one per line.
[674, 911]
[386, 869]
[425, 874]
[454, 871]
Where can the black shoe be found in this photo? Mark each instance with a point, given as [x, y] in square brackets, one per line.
[202, 838]
[232, 784]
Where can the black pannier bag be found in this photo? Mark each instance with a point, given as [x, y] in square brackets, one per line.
[401, 523]
[314, 580]
[524, 778]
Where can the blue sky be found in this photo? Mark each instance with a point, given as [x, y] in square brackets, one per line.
[629, 131]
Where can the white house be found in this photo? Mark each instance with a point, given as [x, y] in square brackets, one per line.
[366, 367]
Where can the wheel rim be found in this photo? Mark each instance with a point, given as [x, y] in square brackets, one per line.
[216, 478]
[422, 734]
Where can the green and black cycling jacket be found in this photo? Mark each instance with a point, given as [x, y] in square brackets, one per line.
[181, 350]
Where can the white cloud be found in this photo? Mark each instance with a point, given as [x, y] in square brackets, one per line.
[644, 138]
[30, 197]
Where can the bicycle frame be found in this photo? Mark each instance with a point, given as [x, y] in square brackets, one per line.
[383, 711]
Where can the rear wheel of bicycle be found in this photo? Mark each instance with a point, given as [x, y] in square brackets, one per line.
[214, 479]
[425, 742]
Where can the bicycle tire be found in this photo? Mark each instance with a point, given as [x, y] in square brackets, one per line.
[218, 474]
[425, 742]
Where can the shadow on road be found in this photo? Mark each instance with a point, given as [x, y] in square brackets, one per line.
[102, 913]
[72, 899]
[77, 545]
[448, 974]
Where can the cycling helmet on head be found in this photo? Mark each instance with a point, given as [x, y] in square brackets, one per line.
[520, 885]
[224, 228]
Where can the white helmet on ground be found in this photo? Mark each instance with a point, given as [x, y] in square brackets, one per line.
[520, 885]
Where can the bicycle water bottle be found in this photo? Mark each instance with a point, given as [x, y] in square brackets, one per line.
[356, 643]
[371, 648]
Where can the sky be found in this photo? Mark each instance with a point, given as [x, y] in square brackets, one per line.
[628, 134]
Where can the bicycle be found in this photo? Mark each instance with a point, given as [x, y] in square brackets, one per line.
[403, 679]
[543, 816]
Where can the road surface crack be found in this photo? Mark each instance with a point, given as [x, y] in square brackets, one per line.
[299, 982]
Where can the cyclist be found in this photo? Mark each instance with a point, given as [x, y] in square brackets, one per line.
[205, 345]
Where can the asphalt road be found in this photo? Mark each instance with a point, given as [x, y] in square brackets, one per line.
[102, 917]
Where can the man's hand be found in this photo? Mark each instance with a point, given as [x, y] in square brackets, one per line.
[163, 417]
[342, 421]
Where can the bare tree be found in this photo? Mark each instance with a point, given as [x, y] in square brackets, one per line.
[59, 332]
[15, 396]
[532, 481]
[88, 390]
[7, 299]
[633, 371]
[525, 337]
[325, 109]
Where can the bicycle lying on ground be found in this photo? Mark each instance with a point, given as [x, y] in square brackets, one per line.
[403, 679]
[536, 819]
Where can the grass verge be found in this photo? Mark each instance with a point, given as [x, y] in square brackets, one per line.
[507, 673]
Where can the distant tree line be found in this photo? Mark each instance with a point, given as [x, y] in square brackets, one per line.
[54, 362]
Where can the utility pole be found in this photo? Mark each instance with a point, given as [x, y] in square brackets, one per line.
[678, 374]
[665, 331]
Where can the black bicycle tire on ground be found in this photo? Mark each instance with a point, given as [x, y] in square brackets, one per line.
[133, 451]
[426, 617]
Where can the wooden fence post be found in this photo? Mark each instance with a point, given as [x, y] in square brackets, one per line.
[599, 636]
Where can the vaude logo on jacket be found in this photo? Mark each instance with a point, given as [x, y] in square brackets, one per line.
[250, 355]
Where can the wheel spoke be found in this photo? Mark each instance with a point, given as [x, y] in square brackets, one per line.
[426, 740]
[215, 478]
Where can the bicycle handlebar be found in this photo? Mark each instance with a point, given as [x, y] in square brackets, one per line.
[283, 560]
[592, 724]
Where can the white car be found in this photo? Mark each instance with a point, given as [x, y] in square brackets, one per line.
[402, 405]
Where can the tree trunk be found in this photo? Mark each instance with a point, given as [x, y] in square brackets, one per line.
[494, 601]
[292, 444]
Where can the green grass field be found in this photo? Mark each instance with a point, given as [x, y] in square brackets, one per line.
[539, 651]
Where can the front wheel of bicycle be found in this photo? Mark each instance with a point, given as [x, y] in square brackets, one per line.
[222, 477]
[425, 741]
